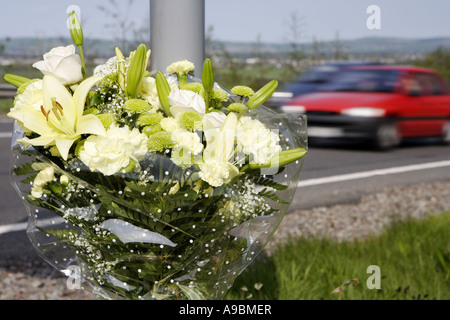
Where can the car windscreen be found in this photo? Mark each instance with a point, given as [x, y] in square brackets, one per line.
[364, 81]
[319, 74]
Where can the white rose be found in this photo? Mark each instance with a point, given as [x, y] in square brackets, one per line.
[185, 100]
[215, 118]
[62, 63]
[113, 152]
[31, 99]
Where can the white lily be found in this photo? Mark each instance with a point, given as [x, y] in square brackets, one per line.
[216, 168]
[60, 122]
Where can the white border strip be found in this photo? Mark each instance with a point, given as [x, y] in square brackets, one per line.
[373, 173]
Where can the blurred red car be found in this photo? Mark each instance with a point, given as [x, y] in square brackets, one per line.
[381, 104]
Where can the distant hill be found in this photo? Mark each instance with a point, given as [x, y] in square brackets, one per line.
[33, 48]
[372, 45]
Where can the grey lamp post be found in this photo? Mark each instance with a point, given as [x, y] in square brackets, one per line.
[177, 33]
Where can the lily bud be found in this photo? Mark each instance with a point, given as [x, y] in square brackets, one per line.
[208, 75]
[121, 68]
[75, 29]
[283, 158]
[208, 81]
[262, 95]
[136, 71]
[16, 81]
[164, 90]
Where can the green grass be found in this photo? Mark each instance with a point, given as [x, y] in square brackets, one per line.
[5, 105]
[413, 256]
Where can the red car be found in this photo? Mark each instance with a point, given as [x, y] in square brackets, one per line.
[381, 104]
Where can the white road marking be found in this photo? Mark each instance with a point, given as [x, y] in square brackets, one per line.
[305, 183]
[5, 135]
[373, 173]
[13, 227]
[24, 225]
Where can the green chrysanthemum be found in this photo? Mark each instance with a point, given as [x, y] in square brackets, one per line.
[190, 120]
[149, 119]
[107, 119]
[193, 86]
[159, 142]
[137, 106]
[243, 91]
[151, 130]
[237, 107]
[219, 95]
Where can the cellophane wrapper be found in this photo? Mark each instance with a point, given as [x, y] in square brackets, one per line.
[129, 236]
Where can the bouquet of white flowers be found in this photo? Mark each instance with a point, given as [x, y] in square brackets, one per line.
[159, 186]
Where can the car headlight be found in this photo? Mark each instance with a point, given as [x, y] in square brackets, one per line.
[364, 112]
[293, 109]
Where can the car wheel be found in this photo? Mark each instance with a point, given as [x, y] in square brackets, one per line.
[387, 136]
[445, 137]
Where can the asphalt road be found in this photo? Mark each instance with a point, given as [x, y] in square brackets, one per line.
[331, 174]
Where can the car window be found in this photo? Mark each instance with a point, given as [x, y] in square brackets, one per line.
[365, 80]
[439, 87]
[427, 84]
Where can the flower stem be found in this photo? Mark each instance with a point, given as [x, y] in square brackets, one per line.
[83, 64]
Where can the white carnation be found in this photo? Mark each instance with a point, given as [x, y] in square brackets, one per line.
[31, 99]
[170, 124]
[189, 140]
[181, 67]
[43, 177]
[113, 152]
[217, 173]
[255, 140]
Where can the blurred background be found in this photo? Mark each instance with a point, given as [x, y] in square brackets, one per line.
[272, 39]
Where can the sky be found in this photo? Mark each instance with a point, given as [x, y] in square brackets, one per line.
[241, 20]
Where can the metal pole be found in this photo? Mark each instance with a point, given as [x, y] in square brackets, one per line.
[177, 33]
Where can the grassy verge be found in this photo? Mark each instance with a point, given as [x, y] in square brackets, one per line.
[413, 257]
